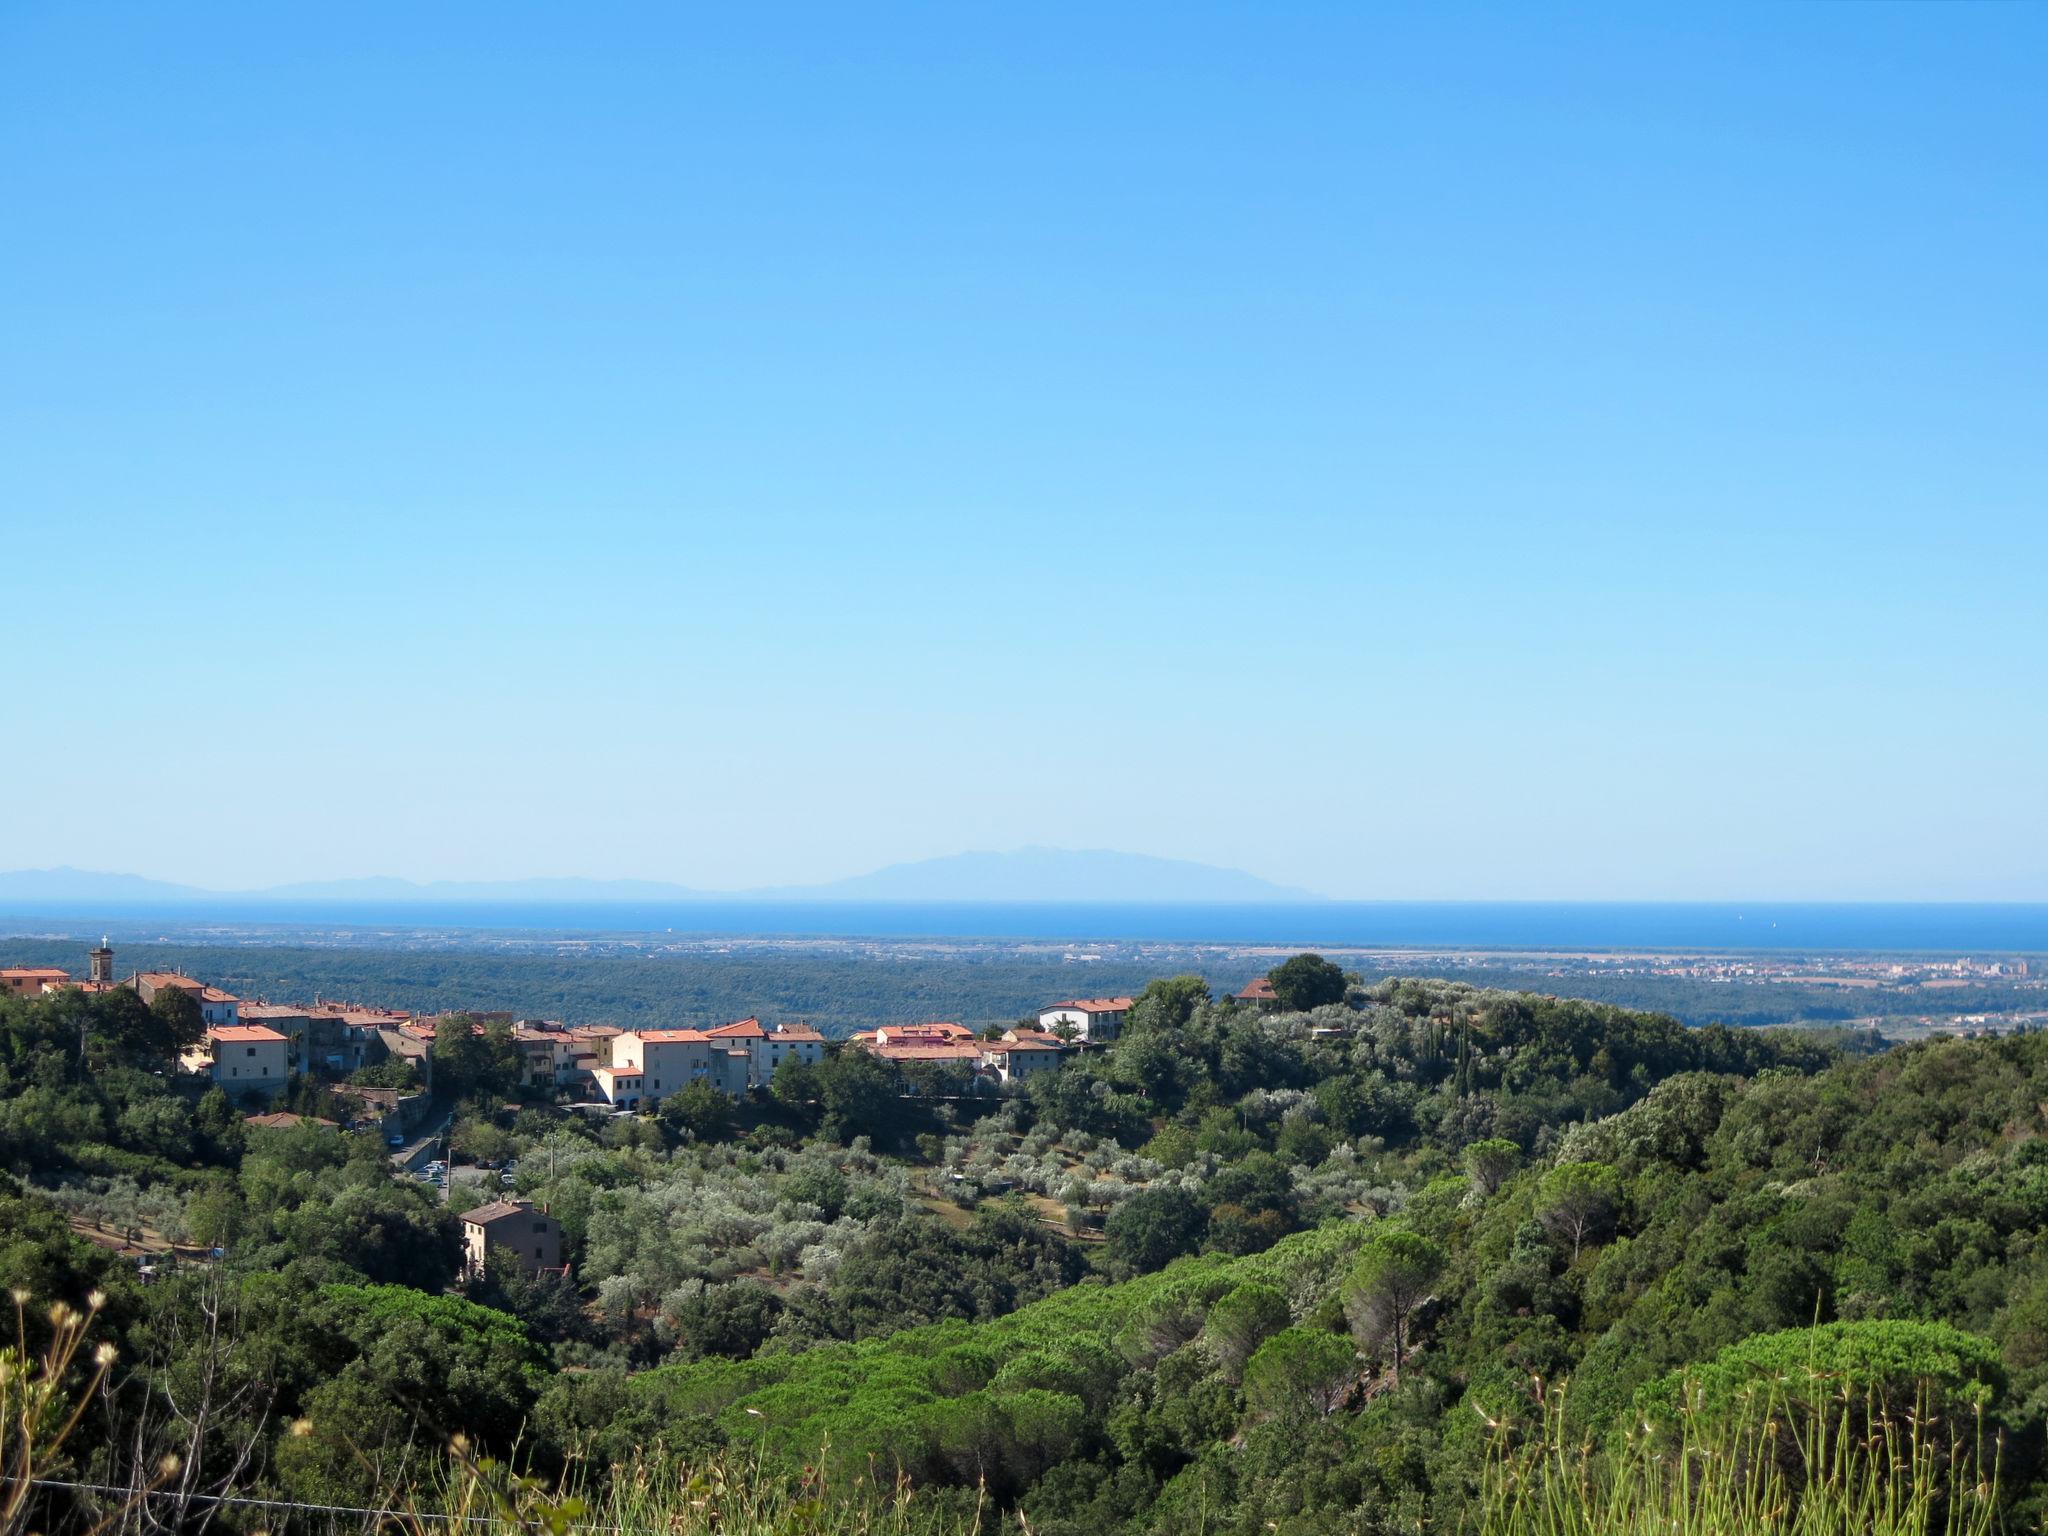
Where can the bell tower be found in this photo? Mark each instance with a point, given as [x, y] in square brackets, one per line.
[102, 962]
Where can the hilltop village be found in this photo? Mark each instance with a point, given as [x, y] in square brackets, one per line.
[252, 1049]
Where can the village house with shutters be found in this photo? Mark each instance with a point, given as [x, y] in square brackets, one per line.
[243, 1059]
[647, 1065]
[1018, 1056]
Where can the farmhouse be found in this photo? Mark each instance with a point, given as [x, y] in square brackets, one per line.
[531, 1236]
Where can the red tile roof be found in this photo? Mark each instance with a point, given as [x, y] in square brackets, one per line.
[938, 1030]
[925, 1051]
[1095, 1004]
[669, 1036]
[244, 1033]
[745, 1029]
[1258, 991]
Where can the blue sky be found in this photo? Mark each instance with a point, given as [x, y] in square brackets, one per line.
[1401, 451]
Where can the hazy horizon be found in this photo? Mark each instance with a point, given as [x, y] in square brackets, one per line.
[1403, 453]
[1022, 884]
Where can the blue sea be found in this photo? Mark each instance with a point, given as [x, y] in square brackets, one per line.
[1955, 928]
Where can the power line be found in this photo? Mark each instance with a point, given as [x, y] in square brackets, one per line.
[319, 1509]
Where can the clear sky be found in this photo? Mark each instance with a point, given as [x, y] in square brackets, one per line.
[1403, 451]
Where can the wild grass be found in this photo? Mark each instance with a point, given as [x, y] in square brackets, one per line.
[1796, 1453]
[728, 1494]
[1787, 1457]
[44, 1393]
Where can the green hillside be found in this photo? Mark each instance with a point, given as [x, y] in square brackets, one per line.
[1339, 1265]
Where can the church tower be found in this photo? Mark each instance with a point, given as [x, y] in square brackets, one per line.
[102, 962]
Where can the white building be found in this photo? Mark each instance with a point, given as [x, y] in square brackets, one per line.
[1018, 1061]
[1093, 1019]
[768, 1049]
[647, 1065]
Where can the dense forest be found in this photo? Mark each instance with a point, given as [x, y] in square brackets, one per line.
[1300, 1269]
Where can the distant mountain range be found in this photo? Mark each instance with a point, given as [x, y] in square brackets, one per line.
[1025, 874]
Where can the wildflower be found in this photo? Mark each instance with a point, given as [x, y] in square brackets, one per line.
[301, 1428]
[104, 1356]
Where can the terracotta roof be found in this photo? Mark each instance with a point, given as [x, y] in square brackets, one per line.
[794, 1032]
[351, 1013]
[250, 1033]
[497, 1210]
[215, 995]
[939, 1030]
[748, 1029]
[34, 972]
[1020, 1045]
[923, 1051]
[1258, 991]
[670, 1036]
[1094, 1005]
[284, 1120]
[273, 1011]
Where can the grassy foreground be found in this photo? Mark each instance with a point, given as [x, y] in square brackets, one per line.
[1803, 1453]
[1794, 1457]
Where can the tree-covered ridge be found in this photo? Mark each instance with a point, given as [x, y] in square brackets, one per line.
[1899, 1202]
[1263, 1268]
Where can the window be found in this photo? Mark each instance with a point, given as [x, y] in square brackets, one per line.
[252, 1050]
[537, 1252]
